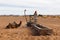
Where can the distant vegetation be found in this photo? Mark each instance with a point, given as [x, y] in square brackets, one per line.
[40, 15]
[10, 15]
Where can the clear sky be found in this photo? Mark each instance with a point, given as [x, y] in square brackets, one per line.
[16, 7]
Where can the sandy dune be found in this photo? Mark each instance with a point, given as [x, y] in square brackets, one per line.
[23, 32]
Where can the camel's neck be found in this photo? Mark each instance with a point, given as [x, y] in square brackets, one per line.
[19, 23]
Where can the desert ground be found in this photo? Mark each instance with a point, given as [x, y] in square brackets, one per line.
[24, 33]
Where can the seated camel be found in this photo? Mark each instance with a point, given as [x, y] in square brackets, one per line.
[13, 25]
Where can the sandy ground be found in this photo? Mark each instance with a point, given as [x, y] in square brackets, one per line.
[23, 32]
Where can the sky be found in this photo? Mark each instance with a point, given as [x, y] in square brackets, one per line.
[17, 7]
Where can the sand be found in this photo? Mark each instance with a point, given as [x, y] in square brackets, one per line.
[23, 32]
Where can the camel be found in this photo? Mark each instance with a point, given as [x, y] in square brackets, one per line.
[38, 29]
[13, 25]
[42, 31]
